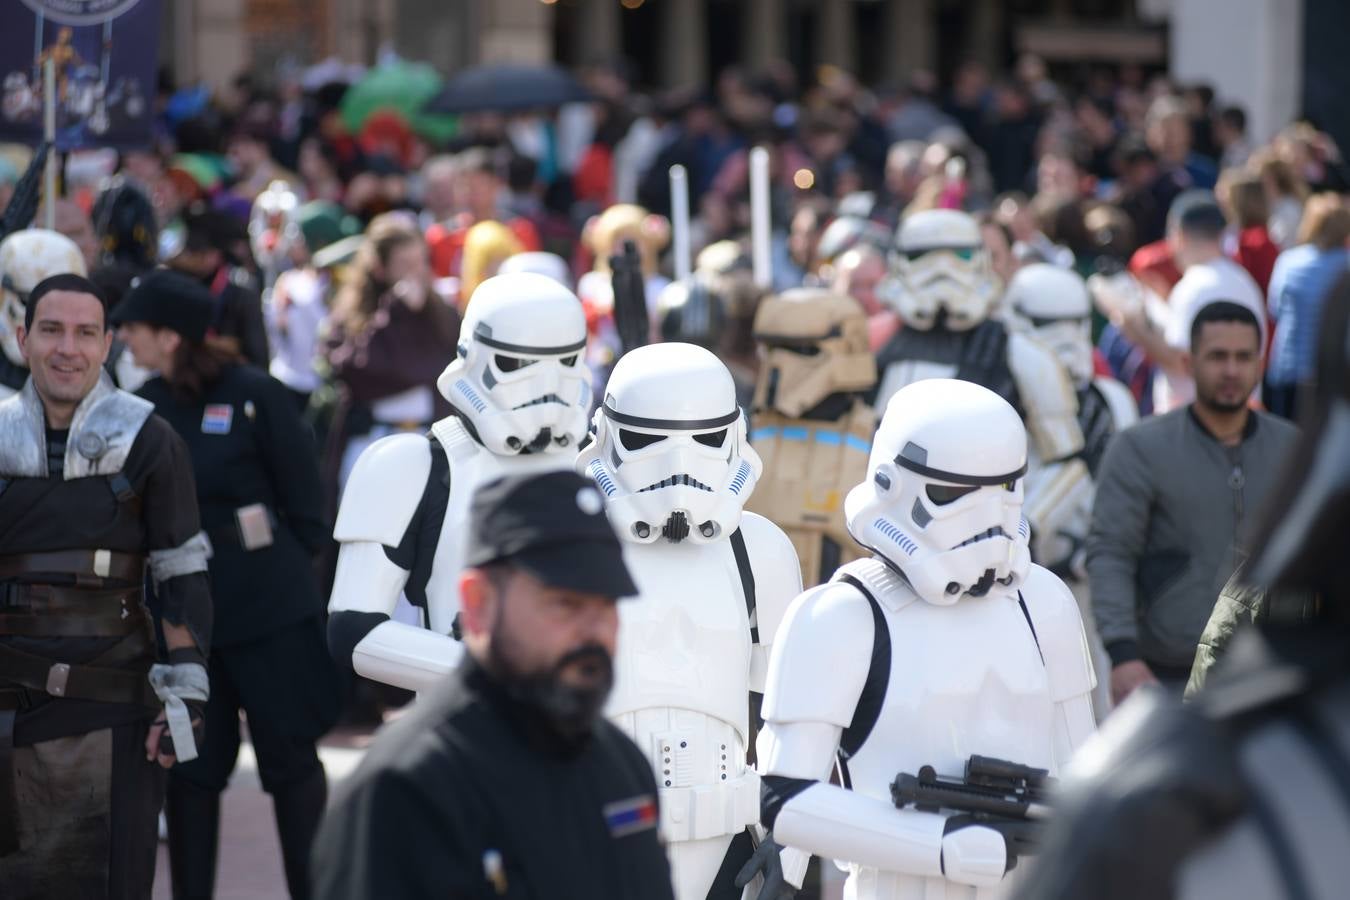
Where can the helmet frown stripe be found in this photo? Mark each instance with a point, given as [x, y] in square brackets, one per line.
[671, 424]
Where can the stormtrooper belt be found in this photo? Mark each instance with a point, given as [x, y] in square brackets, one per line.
[710, 810]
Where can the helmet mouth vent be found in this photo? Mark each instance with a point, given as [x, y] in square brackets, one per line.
[677, 481]
[996, 531]
[540, 401]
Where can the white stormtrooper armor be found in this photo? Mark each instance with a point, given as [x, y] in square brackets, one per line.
[946, 644]
[1052, 304]
[942, 269]
[521, 393]
[26, 258]
[671, 457]
[944, 291]
[273, 229]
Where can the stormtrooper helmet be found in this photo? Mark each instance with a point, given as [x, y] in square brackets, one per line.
[27, 257]
[691, 312]
[943, 503]
[940, 272]
[670, 450]
[813, 344]
[273, 225]
[1052, 304]
[550, 264]
[519, 379]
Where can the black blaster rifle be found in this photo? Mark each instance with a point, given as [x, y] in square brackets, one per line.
[630, 298]
[24, 203]
[1008, 797]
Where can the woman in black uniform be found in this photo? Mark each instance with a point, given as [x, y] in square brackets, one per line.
[261, 506]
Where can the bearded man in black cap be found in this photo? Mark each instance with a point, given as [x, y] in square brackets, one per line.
[507, 781]
[94, 489]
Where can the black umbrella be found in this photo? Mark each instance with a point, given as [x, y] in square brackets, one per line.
[506, 87]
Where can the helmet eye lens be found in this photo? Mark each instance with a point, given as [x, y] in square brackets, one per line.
[636, 440]
[512, 363]
[942, 494]
[965, 253]
[712, 438]
[570, 360]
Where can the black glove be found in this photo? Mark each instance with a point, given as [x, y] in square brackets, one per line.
[197, 715]
[767, 862]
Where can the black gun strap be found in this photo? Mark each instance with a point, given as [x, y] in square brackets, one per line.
[1026, 614]
[873, 695]
[747, 581]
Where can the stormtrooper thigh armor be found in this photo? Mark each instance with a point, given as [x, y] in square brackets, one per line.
[521, 392]
[670, 456]
[937, 649]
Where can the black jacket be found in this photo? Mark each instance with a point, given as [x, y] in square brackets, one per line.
[249, 446]
[239, 315]
[468, 778]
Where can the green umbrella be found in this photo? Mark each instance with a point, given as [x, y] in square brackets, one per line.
[403, 88]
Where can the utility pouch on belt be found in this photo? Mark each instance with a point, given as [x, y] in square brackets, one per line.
[255, 526]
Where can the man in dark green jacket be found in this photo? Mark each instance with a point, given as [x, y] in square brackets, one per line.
[1240, 605]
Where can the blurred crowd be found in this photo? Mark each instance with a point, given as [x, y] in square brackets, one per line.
[342, 239]
[341, 231]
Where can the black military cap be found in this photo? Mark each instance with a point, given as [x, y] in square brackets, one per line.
[168, 299]
[553, 526]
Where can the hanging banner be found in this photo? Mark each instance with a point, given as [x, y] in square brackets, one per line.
[105, 53]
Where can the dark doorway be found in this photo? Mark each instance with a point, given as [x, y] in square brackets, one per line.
[1326, 67]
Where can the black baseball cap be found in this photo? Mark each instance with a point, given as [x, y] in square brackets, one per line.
[553, 526]
[168, 299]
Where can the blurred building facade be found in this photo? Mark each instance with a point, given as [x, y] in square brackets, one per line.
[1252, 51]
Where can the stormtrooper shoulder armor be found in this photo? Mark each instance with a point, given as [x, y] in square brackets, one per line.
[1047, 396]
[778, 577]
[1059, 634]
[822, 657]
[384, 490]
[1119, 400]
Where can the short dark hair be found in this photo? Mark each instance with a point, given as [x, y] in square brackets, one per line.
[1235, 117]
[66, 281]
[1223, 311]
[1196, 214]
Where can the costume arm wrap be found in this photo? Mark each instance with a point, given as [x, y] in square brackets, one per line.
[174, 684]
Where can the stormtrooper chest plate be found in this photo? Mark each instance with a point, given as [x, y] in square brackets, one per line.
[684, 641]
[964, 679]
[470, 466]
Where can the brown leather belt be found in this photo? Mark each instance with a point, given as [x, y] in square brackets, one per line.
[83, 564]
[44, 610]
[77, 681]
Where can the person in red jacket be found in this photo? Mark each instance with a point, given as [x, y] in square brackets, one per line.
[482, 188]
[1244, 203]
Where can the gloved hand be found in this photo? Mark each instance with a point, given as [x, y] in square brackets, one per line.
[182, 683]
[767, 862]
[974, 854]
